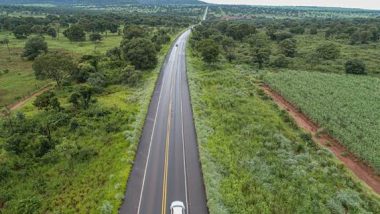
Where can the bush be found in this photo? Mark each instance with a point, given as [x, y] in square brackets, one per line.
[280, 62]
[29, 205]
[4, 171]
[95, 37]
[355, 66]
[34, 47]
[313, 30]
[130, 76]
[288, 47]
[75, 33]
[328, 51]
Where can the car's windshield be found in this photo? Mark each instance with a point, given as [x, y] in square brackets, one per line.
[178, 210]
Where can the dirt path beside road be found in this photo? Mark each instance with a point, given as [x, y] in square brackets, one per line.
[364, 172]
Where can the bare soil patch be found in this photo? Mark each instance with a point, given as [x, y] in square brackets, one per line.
[362, 170]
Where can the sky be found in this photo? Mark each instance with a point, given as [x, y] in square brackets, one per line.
[365, 4]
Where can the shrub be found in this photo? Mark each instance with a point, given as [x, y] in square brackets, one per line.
[355, 66]
[328, 51]
[280, 62]
[34, 47]
[95, 37]
[75, 33]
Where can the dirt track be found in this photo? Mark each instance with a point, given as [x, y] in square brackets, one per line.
[22, 102]
[358, 167]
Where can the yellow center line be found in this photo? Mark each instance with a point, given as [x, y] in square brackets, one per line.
[165, 180]
[167, 143]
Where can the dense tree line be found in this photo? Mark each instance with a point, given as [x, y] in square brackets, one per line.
[273, 43]
[295, 12]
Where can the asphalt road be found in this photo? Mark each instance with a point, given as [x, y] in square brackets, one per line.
[167, 166]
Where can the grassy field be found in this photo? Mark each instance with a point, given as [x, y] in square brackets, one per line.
[86, 47]
[254, 160]
[17, 79]
[88, 170]
[369, 53]
[346, 105]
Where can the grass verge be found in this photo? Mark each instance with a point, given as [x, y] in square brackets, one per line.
[254, 159]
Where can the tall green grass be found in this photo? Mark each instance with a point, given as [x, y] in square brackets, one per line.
[255, 162]
[346, 105]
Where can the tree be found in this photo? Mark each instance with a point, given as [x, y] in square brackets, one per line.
[82, 97]
[140, 52]
[56, 66]
[34, 47]
[282, 35]
[133, 31]
[361, 37]
[37, 29]
[130, 76]
[313, 30]
[95, 37]
[114, 53]
[355, 66]
[51, 32]
[261, 56]
[16, 144]
[230, 56]
[239, 31]
[260, 50]
[47, 101]
[75, 33]
[297, 30]
[21, 31]
[328, 51]
[6, 42]
[112, 27]
[280, 62]
[288, 47]
[209, 50]
[161, 38]
[86, 93]
[375, 34]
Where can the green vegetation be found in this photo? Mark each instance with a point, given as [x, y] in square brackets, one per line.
[16, 77]
[233, 12]
[18, 81]
[253, 161]
[346, 105]
[74, 153]
[71, 149]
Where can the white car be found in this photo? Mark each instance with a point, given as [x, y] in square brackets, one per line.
[177, 207]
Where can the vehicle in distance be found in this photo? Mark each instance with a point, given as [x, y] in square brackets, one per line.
[177, 207]
[176, 45]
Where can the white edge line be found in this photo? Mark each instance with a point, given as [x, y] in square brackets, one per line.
[183, 150]
[151, 139]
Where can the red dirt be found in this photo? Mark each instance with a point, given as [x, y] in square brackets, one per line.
[22, 102]
[359, 168]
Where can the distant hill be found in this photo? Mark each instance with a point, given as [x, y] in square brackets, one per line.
[100, 2]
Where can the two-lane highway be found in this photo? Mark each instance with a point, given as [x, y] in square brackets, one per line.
[167, 166]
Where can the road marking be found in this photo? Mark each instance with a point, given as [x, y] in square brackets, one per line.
[183, 149]
[165, 180]
[150, 143]
[167, 144]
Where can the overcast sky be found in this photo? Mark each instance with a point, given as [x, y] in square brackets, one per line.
[367, 4]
